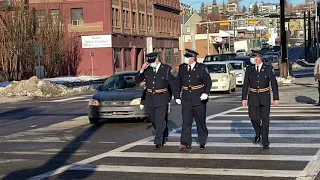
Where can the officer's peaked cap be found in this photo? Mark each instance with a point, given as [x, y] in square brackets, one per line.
[191, 53]
[152, 57]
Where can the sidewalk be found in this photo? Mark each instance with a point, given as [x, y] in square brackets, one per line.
[302, 90]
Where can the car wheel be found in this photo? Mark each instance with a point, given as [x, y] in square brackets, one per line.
[94, 121]
[234, 90]
[146, 120]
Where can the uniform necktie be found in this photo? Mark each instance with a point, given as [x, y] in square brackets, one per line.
[154, 70]
[257, 68]
[189, 68]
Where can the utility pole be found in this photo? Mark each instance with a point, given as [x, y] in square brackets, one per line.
[305, 35]
[284, 58]
[316, 30]
[208, 43]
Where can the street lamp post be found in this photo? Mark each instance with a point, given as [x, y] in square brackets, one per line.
[284, 58]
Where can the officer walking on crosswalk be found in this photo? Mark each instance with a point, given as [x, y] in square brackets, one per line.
[194, 80]
[158, 77]
[258, 78]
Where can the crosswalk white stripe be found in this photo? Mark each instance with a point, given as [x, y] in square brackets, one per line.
[213, 156]
[270, 128]
[188, 170]
[221, 144]
[291, 107]
[271, 121]
[253, 135]
[286, 110]
[275, 115]
[312, 169]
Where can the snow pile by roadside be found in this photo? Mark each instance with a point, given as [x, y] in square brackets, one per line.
[35, 87]
[285, 81]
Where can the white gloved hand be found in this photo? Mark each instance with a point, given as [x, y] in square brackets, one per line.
[178, 101]
[141, 106]
[203, 97]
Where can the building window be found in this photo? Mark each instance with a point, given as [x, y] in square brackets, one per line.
[55, 16]
[127, 59]
[160, 54]
[40, 16]
[117, 57]
[143, 24]
[115, 17]
[176, 55]
[156, 22]
[134, 19]
[149, 22]
[76, 16]
[125, 18]
[168, 56]
[188, 29]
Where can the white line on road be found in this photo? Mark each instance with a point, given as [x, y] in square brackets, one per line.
[312, 169]
[275, 115]
[5, 161]
[253, 135]
[271, 121]
[33, 126]
[270, 128]
[220, 144]
[106, 154]
[286, 110]
[213, 156]
[186, 170]
[67, 99]
[107, 142]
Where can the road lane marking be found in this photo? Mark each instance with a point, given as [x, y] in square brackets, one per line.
[270, 128]
[67, 99]
[271, 121]
[312, 169]
[254, 135]
[221, 144]
[5, 161]
[213, 156]
[106, 154]
[15, 121]
[187, 170]
[275, 115]
[33, 126]
[286, 110]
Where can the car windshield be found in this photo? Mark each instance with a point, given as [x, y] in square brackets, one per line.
[120, 82]
[219, 57]
[216, 68]
[236, 65]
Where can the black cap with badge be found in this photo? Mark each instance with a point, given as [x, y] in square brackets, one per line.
[191, 53]
[152, 57]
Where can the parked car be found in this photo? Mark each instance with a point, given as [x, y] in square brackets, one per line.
[219, 57]
[222, 75]
[245, 59]
[119, 97]
[239, 68]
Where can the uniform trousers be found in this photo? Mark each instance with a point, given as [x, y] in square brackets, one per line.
[258, 113]
[157, 116]
[199, 113]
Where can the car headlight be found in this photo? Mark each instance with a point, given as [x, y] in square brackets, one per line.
[94, 102]
[135, 102]
[239, 75]
[224, 78]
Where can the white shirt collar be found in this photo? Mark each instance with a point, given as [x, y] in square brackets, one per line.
[192, 65]
[158, 66]
[260, 66]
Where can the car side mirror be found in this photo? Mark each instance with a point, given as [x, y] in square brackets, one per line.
[99, 88]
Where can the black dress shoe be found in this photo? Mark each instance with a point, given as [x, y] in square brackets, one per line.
[202, 147]
[265, 146]
[157, 147]
[184, 147]
[256, 139]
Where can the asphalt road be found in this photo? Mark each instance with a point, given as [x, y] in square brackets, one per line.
[52, 139]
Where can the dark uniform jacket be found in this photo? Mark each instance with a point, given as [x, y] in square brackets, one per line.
[259, 80]
[162, 79]
[199, 75]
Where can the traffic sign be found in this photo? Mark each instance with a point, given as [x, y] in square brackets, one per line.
[253, 21]
[225, 23]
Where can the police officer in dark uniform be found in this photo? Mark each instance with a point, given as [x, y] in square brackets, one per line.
[158, 77]
[256, 84]
[195, 83]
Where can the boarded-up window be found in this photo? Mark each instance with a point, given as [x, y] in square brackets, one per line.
[117, 57]
[127, 59]
[55, 16]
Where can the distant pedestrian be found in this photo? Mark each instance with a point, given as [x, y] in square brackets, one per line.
[317, 76]
[159, 79]
[194, 80]
[258, 78]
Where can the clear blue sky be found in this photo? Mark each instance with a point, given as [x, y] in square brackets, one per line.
[243, 2]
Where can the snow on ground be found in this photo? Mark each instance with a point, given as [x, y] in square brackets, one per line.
[61, 80]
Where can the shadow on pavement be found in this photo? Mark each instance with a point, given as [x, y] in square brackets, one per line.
[59, 160]
[305, 99]
[235, 124]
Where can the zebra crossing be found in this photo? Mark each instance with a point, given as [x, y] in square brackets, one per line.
[294, 150]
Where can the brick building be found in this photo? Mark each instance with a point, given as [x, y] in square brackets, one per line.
[119, 32]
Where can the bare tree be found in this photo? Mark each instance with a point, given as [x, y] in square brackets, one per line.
[21, 29]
